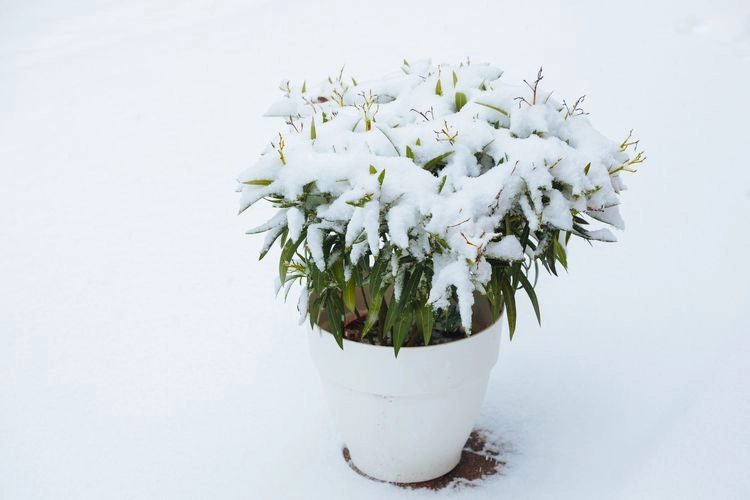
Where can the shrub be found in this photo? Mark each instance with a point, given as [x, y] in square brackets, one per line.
[425, 187]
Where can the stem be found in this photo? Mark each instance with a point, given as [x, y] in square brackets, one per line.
[389, 140]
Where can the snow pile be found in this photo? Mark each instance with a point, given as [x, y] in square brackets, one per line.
[435, 162]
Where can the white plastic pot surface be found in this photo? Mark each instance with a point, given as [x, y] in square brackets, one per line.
[405, 419]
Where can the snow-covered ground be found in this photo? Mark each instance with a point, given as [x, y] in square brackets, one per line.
[144, 356]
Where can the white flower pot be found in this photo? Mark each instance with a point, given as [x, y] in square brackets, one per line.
[405, 419]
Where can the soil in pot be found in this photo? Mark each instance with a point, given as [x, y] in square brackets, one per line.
[353, 332]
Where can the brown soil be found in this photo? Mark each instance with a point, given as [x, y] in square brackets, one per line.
[353, 331]
[479, 459]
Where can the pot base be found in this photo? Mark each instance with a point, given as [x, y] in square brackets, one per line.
[480, 458]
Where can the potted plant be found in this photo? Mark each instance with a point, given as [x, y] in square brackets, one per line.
[410, 210]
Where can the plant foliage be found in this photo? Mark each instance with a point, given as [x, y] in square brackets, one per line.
[407, 196]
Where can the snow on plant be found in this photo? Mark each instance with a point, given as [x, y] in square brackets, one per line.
[426, 187]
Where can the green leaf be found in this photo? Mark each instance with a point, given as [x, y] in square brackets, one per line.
[442, 184]
[392, 315]
[258, 182]
[361, 202]
[349, 295]
[494, 294]
[587, 168]
[510, 305]
[494, 108]
[532, 295]
[560, 253]
[287, 253]
[410, 288]
[283, 233]
[455, 78]
[304, 86]
[337, 269]
[440, 240]
[403, 325]
[418, 142]
[409, 152]
[373, 170]
[460, 100]
[336, 318]
[375, 283]
[549, 257]
[313, 134]
[313, 310]
[401, 317]
[439, 88]
[381, 177]
[425, 322]
[354, 82]
[372, 314]
[432, 164]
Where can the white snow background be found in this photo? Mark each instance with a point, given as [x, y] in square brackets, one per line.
[143, 354]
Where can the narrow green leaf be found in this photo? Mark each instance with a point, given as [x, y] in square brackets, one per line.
[372, 314]
[418, 142]
[411, 285]
[510, 305]
[587, 168]
[401, 316]
[373, 170]
[460, 100]
[350, 295]
[304, 86]
[354, 82]
[432, 164]
[313, 133]
[409, 152]
[455, 78]
[394, 308]
[442, 184]
[401, 329]
[494, 294]
[336, 318]
[550, 258]
[286, 256]
[560, 253]
[337, 269]
[375, 284]
[494, 108]
[361, 202]
[439, 88]
[283, 233]
[532, 295]
[313, 311]
[425, 322]
[258, 182]
[381, 177]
